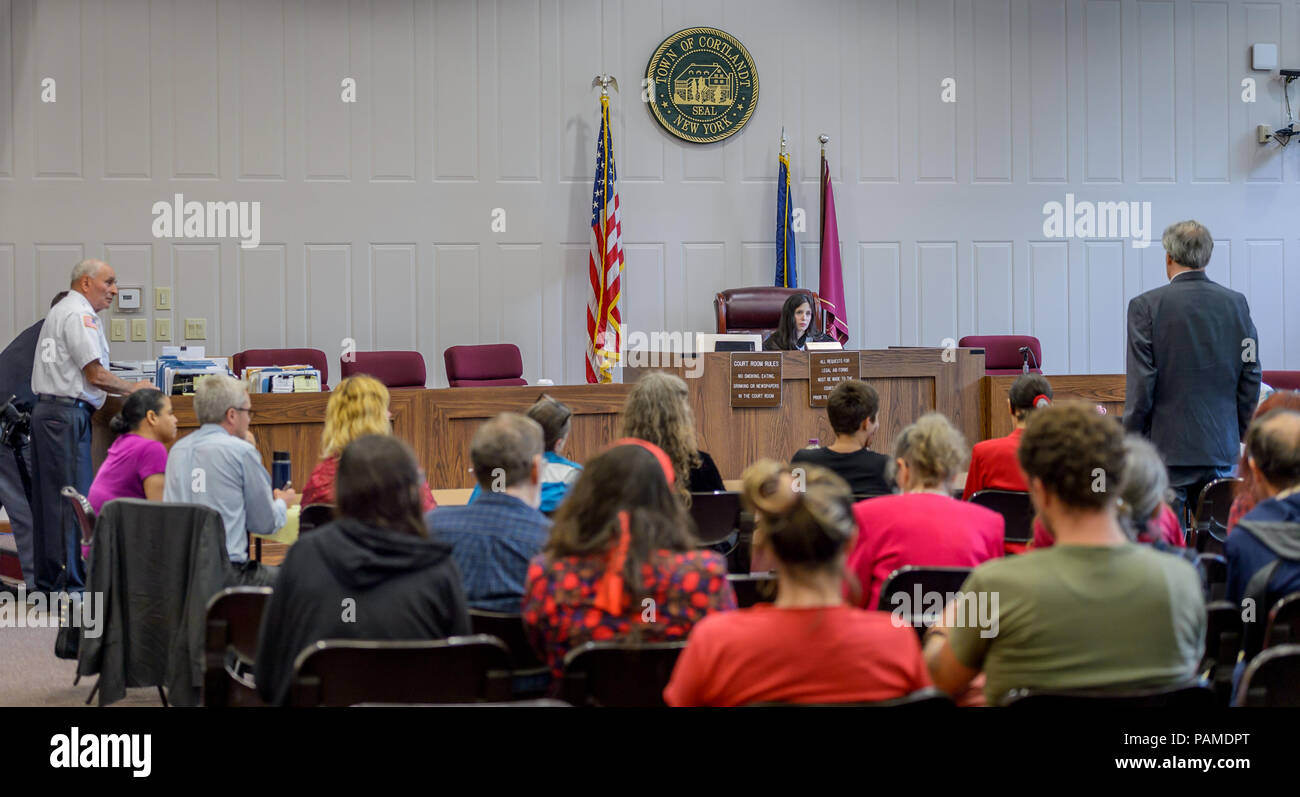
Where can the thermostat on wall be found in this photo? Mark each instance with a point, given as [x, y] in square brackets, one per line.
[128, 298]
[1263, 57]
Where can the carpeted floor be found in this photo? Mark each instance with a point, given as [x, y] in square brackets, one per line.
[31, 675]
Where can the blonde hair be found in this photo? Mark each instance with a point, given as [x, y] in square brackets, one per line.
[804, 514]
[358, 406]
[657, 411]
[933, 449]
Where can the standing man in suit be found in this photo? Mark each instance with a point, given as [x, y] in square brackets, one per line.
[1193, 369]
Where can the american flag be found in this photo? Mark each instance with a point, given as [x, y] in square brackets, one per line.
[605, 261]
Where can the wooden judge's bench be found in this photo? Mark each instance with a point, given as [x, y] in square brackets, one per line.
[439, 423]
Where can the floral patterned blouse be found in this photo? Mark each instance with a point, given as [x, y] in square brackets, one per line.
[559, 601]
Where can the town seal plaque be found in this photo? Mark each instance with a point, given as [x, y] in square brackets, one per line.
[702, 85]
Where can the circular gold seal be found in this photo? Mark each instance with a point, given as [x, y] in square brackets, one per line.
[702, 85]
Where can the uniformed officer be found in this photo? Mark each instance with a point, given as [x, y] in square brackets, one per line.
[71, 379]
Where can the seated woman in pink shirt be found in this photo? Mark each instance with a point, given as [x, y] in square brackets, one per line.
[810, 647]
[137, 459]
[924, 526]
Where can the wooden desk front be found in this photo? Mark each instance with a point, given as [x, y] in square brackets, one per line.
[1104, 389]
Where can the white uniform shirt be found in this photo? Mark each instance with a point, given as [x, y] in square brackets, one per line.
[72, 337]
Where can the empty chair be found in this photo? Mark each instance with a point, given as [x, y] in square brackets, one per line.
[620, 674]
[917, 584]
[84, 513]
[1282, 380]
[1193, 696]
[531, 676]
[1223, 639]
[313, 516]
[1002, 353]
[469, 669]
[1283, 622]
[263, 358]
[488, 365]
[1211, 519]
[396, 369]
[717, 521]
[1214, 575]
[752, 589]
[1272, 679]
[1016, 510]
[234, 617]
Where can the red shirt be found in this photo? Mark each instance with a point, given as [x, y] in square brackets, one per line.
[1165, 527]
[320, 485]
[994, 466]
[923, 529]
[834, 654]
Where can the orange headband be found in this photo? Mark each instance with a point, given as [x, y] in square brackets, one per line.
[664, 461]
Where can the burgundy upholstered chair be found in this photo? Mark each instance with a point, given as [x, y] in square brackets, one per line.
[1002, 352]
[262, 358]
[484, 366]
[393, 368]
[1282, 380]
[757, 310]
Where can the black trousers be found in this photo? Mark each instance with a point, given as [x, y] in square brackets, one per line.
[14, 499]
[60, 457]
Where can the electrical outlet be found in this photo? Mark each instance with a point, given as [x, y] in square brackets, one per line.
[162, 329]
[1263, 133]
[117, 330]
[196, 329]
[139, 329]
[162, 298]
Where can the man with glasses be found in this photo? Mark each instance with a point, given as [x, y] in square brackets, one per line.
[219, 466]
[70, 380]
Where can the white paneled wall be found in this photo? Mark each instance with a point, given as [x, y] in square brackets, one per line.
[376, 216]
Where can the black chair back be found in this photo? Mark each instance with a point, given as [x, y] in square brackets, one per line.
[1272, 679]
[468, 669]
[313, 516]
[82, 511]
[1211, 519]
[929, 697]
[910, 581]
[234, 617]
[1223, 638]
[717, 518]
[1283, 622]
[1016, 509]
[1188, 696]
[621, 674]
[1214, 575]
[752, 589]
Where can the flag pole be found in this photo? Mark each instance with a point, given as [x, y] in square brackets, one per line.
[821, 216]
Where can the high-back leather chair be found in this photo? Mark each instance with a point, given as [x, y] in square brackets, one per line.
[757, 310]
[263, 358]
[393, 368]
[1002, 352]
[1282, 380]
[488, 365]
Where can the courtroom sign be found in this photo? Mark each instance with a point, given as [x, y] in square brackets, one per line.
[826, 369]
[755, 379]
[704, 85]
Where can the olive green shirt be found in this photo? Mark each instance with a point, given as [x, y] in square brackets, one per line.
[1076, 617]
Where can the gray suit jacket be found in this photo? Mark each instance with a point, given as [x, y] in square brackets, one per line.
[1193, 370]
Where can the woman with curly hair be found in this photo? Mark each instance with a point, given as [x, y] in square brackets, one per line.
[658, 410]
[357, 407]
[809, 647]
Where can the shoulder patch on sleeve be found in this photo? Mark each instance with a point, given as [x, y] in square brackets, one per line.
[90, 321]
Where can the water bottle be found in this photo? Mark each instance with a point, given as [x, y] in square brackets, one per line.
[280, 469]
[813, 443]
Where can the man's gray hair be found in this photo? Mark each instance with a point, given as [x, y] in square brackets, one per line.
[1144, 485]
[86, 268]
[505, 447]
[1188, 243]
[216, 394]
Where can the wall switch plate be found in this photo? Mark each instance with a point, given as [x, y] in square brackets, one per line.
[139, 329]
[117, 330]
[196, 329]
[162, 298]
[162, 329]
[1263, 133]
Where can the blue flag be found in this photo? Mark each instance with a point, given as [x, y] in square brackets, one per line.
[787, 263]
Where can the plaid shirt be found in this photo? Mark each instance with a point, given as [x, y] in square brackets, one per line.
[492, 541]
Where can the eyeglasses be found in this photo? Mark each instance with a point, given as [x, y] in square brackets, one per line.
[251, 412]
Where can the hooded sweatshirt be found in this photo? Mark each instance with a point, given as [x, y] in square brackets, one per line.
[1270, 532]
[347, 580]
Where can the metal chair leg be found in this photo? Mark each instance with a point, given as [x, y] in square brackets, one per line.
[93, 691]
[163, 696]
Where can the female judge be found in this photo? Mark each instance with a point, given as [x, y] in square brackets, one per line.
[795, 327]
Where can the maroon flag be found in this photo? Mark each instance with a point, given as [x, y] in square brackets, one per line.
[831, 285]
